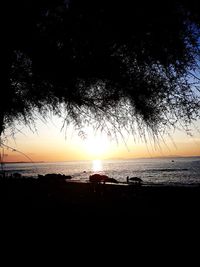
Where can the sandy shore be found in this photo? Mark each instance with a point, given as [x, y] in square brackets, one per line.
[102, 200]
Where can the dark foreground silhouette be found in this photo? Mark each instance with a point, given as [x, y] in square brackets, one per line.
[99, 178]
[107, 200]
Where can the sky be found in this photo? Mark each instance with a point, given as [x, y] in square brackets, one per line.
[50, 143]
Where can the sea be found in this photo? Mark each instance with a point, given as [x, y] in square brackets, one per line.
[165, 171]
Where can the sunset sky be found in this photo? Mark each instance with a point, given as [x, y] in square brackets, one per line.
[102, 58]
[50, 143]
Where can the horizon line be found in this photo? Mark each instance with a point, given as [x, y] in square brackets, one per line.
[156, 157]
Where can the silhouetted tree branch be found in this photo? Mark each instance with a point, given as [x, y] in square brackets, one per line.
[117, 65]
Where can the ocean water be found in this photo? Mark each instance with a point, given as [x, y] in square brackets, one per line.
[156, 171]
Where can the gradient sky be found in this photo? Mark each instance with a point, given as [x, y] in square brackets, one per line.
[49, 143]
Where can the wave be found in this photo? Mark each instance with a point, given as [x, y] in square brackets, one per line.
[166, 170]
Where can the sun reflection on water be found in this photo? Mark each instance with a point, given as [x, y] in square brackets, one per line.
[97, 165]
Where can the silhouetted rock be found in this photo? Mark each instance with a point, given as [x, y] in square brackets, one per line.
[54, 177]
[136, 180]
[17, 175]
[98, 178]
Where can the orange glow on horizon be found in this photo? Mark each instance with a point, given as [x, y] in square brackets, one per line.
[50, 144]
[113, 151]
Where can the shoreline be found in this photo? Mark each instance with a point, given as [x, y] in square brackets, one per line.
[88, 199]
[86, 181]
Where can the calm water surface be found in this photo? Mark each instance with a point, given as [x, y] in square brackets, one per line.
[156, 171]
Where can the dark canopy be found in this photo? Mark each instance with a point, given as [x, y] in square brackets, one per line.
[106, 61]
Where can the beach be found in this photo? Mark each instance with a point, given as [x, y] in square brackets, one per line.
[99, 200]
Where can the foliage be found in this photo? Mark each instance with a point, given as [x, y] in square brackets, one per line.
[114, 65]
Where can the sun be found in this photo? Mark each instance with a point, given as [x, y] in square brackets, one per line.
[96, 146]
